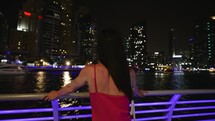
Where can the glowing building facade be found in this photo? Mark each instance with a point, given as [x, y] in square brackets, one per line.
[52, 23]
[86, 32]
[202, 44]
[136, 45]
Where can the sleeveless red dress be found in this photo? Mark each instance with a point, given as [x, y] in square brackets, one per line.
[109, 107]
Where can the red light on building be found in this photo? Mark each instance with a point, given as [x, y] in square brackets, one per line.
[27, 13]
[40, 17]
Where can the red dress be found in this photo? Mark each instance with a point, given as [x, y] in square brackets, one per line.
[109, 107]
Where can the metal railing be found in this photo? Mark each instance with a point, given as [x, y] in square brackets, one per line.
[166, 105]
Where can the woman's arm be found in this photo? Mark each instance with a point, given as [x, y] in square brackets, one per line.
[137, 92]
[78, 82]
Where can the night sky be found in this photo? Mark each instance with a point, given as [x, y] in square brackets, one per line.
[160, 15]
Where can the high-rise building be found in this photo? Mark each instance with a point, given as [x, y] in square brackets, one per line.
[56, 38]
[171, 45]
[136, 45]
[86, 32]
[174, 57]
[52, 23]
[68, 44]
[203, 43]
[24, 40]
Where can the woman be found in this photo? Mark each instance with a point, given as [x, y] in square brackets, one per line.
[108, 81]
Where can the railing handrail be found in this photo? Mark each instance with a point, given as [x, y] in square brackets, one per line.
[167, 107]
[39, 96]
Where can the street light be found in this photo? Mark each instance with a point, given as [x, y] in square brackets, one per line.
[68, 63]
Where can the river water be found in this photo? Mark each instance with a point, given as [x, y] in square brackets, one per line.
[45, 81]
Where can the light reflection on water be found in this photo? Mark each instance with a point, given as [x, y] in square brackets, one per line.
[42, 82]
[40, 77]
[47, 81]
[66, 78]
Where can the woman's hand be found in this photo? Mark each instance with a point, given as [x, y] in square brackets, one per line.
[51, 96]
[140, 93]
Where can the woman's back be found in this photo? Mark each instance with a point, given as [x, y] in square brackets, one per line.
[108, 103]
[104, 81]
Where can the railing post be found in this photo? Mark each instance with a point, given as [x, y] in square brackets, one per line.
[55, 107]
[173, 101]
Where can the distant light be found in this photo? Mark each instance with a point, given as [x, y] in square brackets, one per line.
[213, 17]
[177, 56]
[31, 64]
[152, 64]
[156, 53]
[27, 13]
[40, 17]
[147, 69]
[3, 60]
[68, 63]
[78, 66]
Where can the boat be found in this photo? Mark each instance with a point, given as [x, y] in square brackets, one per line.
[12, 69]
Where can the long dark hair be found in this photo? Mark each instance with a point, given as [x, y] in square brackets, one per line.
[111, 53]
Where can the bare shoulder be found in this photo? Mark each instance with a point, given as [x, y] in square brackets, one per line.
[85, 73]
[87, 68]
[91, 67]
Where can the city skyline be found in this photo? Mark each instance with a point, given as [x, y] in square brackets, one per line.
[160, 17]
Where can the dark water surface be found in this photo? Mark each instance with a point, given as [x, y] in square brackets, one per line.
[45, 81]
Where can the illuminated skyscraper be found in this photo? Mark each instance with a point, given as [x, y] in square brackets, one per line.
[85, 35]
[56, 29]
[136, 45]
[171, 45]
[24, 40]
[52, 23]
[203, 43]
